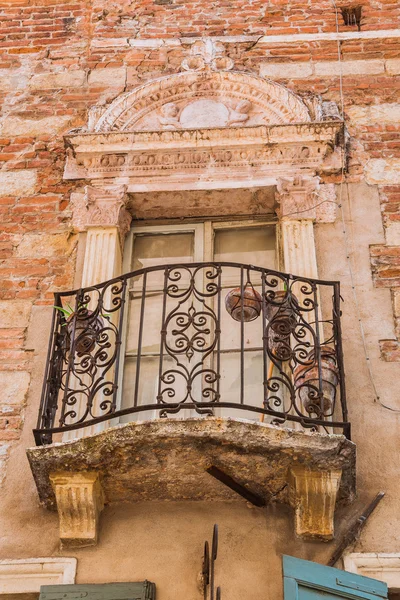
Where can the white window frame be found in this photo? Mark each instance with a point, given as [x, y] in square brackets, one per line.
[26, 576]
[382, 566]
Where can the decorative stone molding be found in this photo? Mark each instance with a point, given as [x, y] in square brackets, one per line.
[207, 53]
[313, 497]
[381, 566]
[296, 197]
[139, 110]
[26, 576]
[193, 158]
[80, 501]
[101, 207]
[302, 197]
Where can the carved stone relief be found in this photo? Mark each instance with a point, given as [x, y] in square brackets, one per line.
[152, 160]
[203, 114]
[304, 197]
[162, 103]
[200, 127]
[207, 54]
[101, 207]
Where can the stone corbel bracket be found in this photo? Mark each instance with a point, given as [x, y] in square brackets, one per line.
[80, 500]
[313, 496]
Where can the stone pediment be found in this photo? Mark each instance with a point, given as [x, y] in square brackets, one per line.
[200, 100]
[205, 129]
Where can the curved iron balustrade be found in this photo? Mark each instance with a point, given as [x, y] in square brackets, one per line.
[299, 350]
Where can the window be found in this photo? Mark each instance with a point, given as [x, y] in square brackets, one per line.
[249, 242]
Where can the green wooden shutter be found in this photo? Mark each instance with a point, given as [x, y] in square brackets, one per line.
[305, 580]
[143, 590]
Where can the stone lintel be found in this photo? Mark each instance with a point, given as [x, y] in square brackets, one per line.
[313, 496]
[193, 158]
[80, 501]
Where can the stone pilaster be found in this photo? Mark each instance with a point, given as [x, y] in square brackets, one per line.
[79, 503]
[313, 497]
[304, 197]
[102, 212]
[296, 198]
[299, 247]
[103, 206]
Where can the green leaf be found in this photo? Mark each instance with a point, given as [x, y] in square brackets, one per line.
[65, 312]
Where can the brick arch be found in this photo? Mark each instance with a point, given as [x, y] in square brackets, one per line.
[271, 102]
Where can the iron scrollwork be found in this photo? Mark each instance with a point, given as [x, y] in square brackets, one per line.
[296, 348]
[193, 334]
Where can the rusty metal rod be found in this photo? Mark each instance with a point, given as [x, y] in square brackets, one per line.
[355, 529]
[236, 486]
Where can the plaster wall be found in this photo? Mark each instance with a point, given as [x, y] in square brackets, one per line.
[163, 541]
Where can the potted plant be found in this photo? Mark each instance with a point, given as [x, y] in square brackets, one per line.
[243, 304]
[281, 311]
[84, 323]
[306, 381]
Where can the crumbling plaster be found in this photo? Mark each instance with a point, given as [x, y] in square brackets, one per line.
[166, 459]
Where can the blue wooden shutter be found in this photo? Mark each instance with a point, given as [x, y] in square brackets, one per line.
[305, 580]
[143, 590]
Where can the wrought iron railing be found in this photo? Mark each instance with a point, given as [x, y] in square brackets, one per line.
[222, 339]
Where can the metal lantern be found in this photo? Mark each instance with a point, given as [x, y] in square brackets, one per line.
[243, 303]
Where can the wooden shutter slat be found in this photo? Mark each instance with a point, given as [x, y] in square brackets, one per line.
[305, 580]
[142, 590]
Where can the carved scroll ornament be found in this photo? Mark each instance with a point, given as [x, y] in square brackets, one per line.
[101, 207]
[303, 197]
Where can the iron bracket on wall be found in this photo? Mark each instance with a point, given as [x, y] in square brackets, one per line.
[208, 570]
[354, 531]
[236, 486]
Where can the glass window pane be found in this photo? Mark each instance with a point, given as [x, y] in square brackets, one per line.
[250, 245]
[161, 249]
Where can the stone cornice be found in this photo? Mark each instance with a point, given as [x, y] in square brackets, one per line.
[144, 140]
[154, 158]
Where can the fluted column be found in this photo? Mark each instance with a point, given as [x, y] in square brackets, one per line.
[302, 201]
[296, 198]
[299, 247]
[100, 211]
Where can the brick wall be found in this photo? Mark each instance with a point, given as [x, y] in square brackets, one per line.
[59, 58]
